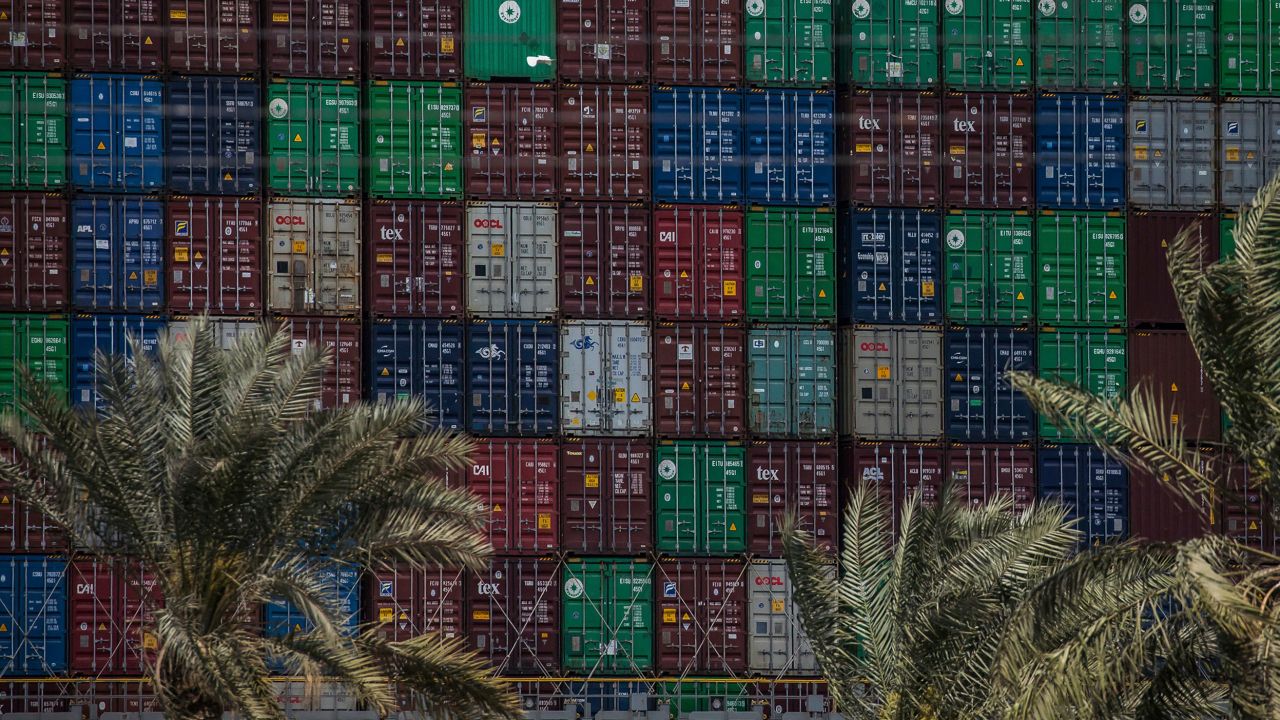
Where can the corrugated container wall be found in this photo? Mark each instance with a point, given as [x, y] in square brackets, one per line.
[702, 617]
[511, 259]
[891, 266]
[887, 44]
[606, 367]
[1172, 45]
[791, 264]
[213, 247]
[117, 248]
[215, 127]
[792, 375]
[603, 134]
[1151, 298]
[315, 253]
[1080, 46]
[1249, 49]
[700, 506]
[891, 382]
[24, 529]
[513, 615]
[700, 380]
[513, 376]
[603, 40]
[33, 35]
[981, 404]
[420, 358]
[1093, 487]
[111, 619]
[1096, 360]
[512, 129]
[605, 255]
[989, 140]
[986, 44]
[789, 42]
[1081, 261]
[791, 477]
[1166, 362]
[989, 267]
[1080, 151]
[34, 237]
[213, 36]
[33, 131]
[414, 139]
[1249, 132]
[115, 35]
[890, 148]
[606, 495]
[697, 145]
[341, 583]
[607, 621]
[117, 133]
[313, 38]
[698, 262]
[417, 258]
[499, 37]
[40, 343]
[518, 482]
[406, 601]
[33, 605]
[979, 472]
[1171, 149]
[413, 39]
[107, 334]
[897, 471]
[313, 137]
[1159, 513]
[696, 41]
[343, 379]
[776, 643]
[791, 146]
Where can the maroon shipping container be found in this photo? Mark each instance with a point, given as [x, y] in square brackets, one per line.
[889, 149]
[406, 602]
[604, 139]
[517, 481]
[33, 252]
[791, 477]
[897, 469]
[696, 41]
[790, 696]
[1160, 514]
[417, 256]
[700, 380]
[41, 696]
[213, 36]
[513, 615]
[414, 39]
[104, 35]
[1148, 234]
[605, 502]
[512, 131]
[22, 527]
[702, 617]
[698, 262]
[1167, 361]
[1244, 515]
[319, 38]
[343, 381]
[33, 35]
[978, 472]
[119, 697]
[110, 616]
[989, 140]
[603, 40]
[604, 260]
[214, 248]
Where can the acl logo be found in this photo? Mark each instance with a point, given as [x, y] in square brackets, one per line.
[290, 220]
[874, 346]
[491, 223]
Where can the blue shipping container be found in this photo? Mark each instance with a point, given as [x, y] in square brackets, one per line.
[1080, 151]
[107, 333]
[117, 133]
[593, 696]
[33, 615]
[423, 358]
[117, 253]
[791, 145]
[282, 618]
[697, 145]
[981, 404]
[1093, 486]
[891, 266]
[214, 135]
[513, 375]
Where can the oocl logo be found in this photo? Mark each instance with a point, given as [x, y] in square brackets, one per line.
[770, 580]
[487, 223]
[290, 220]
[874, 346]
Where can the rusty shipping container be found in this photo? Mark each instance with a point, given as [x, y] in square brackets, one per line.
[213, 36]
[413, 39]
[313, 38]
[897, 470]
[1166, 361]
[416, 258]
[214, 250]
[696, 41]
[104, 35]
[33, 35]
[702, 617]
[605, 505]
[406, 601]
[343, 379]
[314, 261]
[603, 40]
[33, 239]
[698, 262]
[111, 617]
[518, 481]
[511, 133]
[791, 477]
[513, 615]
[889, 150]
[604, 260]
[989, 140]
[700, 380]
[978, 472]
[604, 142]
[1148, 235]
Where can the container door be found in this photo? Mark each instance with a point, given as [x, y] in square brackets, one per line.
[770, 359]
[919, 368]
[875, 382]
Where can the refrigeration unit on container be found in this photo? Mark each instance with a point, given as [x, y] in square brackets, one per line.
[312, 38]
[887, 44]
[700, 380]
[789, 42]
[891, 148]
[511, 132]
[123, 35]
[33, 35]
[107, 334]
[1159, 513]
[1165, 362]
[696, 41]
[513, 39]
[700, 504]
[341, 583]
[603, 40]
[343, 379]
[406, 602]
[606, 495]
[604, 260]
[1249, 133]
[416, 258]
[791, 264]
[1151, 298]
[697, 145]
[513, 376]
[603, 136]
[117, 133]
[40, 343]
[117, 253]
[897, 471]
[776, 643]
[980, 472]
[891, 266]
[1093, 486]
[1249, 47]
[1080, 46]
[213, 36]
[790, 146]
[1096, 360]
[413, 39]
[1080, 151]
[606, 369]
[33, 605]
[24, 529]
[415, 139]
[891, 382]
[213, 246]
[989, 270]
[986, 44]
[792, 372]
[796, 478]
[1172, 45]
[518, 482]
[315, 253]
[313, 137]
[1171, 149]
[607, 621]
[698, 262]
[34, 272]
[702, 617]
[110, 617]
[511, 259]
[1081, 268]
[513, 615]
[215, 127]
[989, 140]
[33, 131]
[424, 359]
[981, 404]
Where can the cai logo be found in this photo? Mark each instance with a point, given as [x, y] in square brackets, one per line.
[181, 228]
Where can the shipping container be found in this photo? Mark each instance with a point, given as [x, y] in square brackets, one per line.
[1080, 151]
[314, 265]
[33, 131]
[792, 373]
[603, 40]
[1172, 45]
[415, 139]
[776, 642]
[989, 140]
[696, 41]
[406, 602]
[511, 254]
[33, 35]
[300, 699]
[607, 621]
[989, 267]
[1245, 513]
[1171, 150]
[341, 583]
[117, 132]
[513, 131]
[215, 143]
[702, 617]
[416, 258]
[1166, 363]
[504, 39]
[1249, 50]
[518, 482]
[697, 144]
[702, 697]
[791, 146]
[897, 471]
[979, 472]
[513, 376]
[791, 264]
[1159, 513]
[890, 148]
[779, 697]
[24, 529]
[1080, 47]
[701, 506]
[342, 337]
[117, 253]
[513, 615]
[796, 478]
[698, 262]
[115, 35]
[981, 404]
[603, 135]
[420, 358]
[107, 334]
[38, 343]
[313, 38]
[1081, 261]
[228, 330]
[891, 382]
[1096, 360]
[213, 36]
[1151, 298]
[33, 605]
[214, 249]
[604, 260]
[606, 371]
[1092, 486]
[887, 44]
[313, 136]
[986, 44]
[789, 42]
[1249, 130]
[413, 39]
[34, 269]
[111, 617]
[605, 495]
[700, 380]
[891, 266]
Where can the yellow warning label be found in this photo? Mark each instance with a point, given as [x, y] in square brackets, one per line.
[619, 395]
[149, 277]
[102, 145]
[1174, 418]
[4, 627]
[1173, 387]
[385, 372]
[279, 17]
[4, 252]
[733, 527]
[669, 615]
[4, 500]
[1020, 296]
[480, 615]
[1112, 295]
[1164, 243]
[759, 499]
[635, 397]
[180, 254]
[4, 15]
[592, 480]
[448, 167]
[149, 641]
[383, 258]
[590, 281]
[226, 176]
[1233, 154]
[684, 385]
[591, 395]
[636, 283]
[498, 250]
[882, 288]
[199, 255]
[386, 615]
[1018, 63]
[297, 137]
[778, 606]
[684, 274]
[497, 508]
[730, 288]
[822, 293]
[1140, 152]
[590, 148]
[177, 14]
[147, 41]
[862, 147]
[544, 521]
[959, 377]
[102, 627]
[882, 372]
[133, 275]
[399, 42]
[1253, 524]
[957, 149]
[446, 44]
[926, 289]
[299, 246]
[478, 140]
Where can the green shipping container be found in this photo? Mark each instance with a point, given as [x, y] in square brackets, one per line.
[1249, 58]
[313, 129]
[792, 371]
[415, 140]
[989, 272]
[502, 37]
[607, 613]
[40, 343]
[1171, 45]
[1080, 257]
[33, 131]
[789, 42]
[689, 696]
[1227, 237]
[986, 44]
[791, 265]
[701, 489]
[888, 43]
[1080, 45]
[1092, 359]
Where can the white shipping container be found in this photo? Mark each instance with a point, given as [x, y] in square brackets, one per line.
[605, 384]
[314, 265]
[229, 329]
[891, 384]
[776, 642]
[512, 259]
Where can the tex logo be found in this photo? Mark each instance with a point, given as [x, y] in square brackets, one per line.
[384, 588]
[181, 228]
[668, 589]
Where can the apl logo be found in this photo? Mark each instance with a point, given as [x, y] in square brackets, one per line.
[866, 123]
[493, 352]
[965, 126]
[584, 343]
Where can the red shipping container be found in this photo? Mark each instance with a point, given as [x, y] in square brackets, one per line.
[978, 472]
[897, 469]
[43, 696]
[512, 130]
[32, 35]
[702, 617]
[213, 36]
[698, 262]
[1166, 361]
[214, 248]
[22, 527]
[990, 140]
[605, 502]
[1161, 514]
[513, 615]
[698, 42]
[604, 139]
[889, 149]
[790, 696]
[344, 381]
[106, 35]
[33, 252]
[1147, 238]
[414, 39]
[604, 261]
[700, 380]
[110, 617]
[517, 480]
[791, 477]
[603, 40]
[406, 602]
[118, 697]
[417, 256]
[318, 38]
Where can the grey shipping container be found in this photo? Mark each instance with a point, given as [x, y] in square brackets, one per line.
[1171, 153]
[511, 259]
[1249, 154]
[314, 265]
[891, 382]
[776, 643]
[605, 371]
[229, 330]
[791, 371]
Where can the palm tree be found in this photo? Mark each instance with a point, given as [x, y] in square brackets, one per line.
[212, 469]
